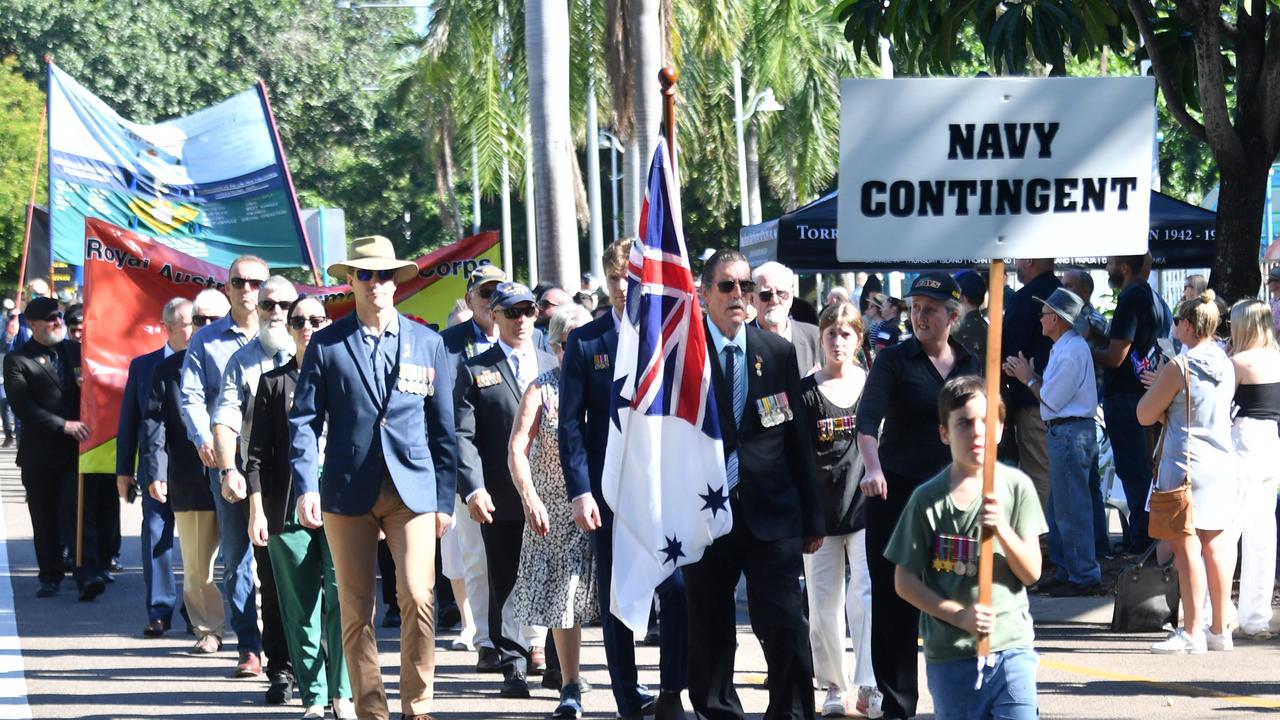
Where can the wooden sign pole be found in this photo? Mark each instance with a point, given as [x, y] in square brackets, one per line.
[995, 329]
[667, 77]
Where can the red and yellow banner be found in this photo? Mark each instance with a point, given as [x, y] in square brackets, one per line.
[128, 279]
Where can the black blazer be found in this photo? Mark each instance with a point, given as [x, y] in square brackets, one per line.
[777, 485]
[808, 344]
[167, 454]
[267, 468]
[43, 403]
[484, 417]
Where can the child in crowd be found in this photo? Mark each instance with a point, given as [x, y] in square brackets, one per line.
[935, 548]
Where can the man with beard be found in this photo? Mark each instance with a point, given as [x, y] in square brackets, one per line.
[1140, 318]
[232, 415]
[207, 355]
[776, 289]
[42, 380]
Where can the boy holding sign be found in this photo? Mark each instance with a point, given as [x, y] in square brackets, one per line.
[935, 548]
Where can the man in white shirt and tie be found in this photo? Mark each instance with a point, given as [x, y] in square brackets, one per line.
[486, 395]
[1068, 395]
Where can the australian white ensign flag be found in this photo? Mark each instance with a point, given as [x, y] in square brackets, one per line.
[664, 472]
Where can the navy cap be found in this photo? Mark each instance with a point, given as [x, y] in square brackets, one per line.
[40, 308]
[972, 286]
[510, 294]
[485, 274]
[936, 285]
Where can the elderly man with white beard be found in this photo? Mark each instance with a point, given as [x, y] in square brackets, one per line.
[232, 414]
[776, 287]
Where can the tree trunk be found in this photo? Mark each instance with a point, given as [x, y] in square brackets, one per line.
[546, 25]
[753, 172]
[442, 194]
[1242, 198]
[633, 179]
[450, 173]
[645, 24]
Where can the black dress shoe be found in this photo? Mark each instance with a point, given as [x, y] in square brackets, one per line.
[154, 629]
[552, 679]
[1070, 589]
[92, 589]
[116, 567]
[281, 690]
[450, 617]
[47, 590]
[515, 686]
[108, 578]
[488, 661]
[669, 707]
[392, 618]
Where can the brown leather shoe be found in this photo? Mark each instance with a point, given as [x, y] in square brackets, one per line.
[207, 645]
[250, 665]
[154, 629]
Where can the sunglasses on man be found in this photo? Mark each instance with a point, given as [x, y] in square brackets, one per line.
[726, 286]
[383, 275]
[297, 322]
[240, 283]
[202, 320]
[516, 313]
[486, 291]
[52, 317]
[271, 305]
[767, 295]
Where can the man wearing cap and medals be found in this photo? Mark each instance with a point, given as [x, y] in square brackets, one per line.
[773, 495]
[486, 394]
[372, 376]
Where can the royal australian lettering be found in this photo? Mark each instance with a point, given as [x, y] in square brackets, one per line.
[1027, 141]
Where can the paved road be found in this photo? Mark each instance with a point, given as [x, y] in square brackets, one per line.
[90, 661]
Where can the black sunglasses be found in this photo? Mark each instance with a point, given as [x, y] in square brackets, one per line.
[240, 283]
[486, 291]
[516, 313]
[271, 305]
[202, 320]
[726, 286]
[383, 275]
[52, 317]
[767, 295]
[297, 322]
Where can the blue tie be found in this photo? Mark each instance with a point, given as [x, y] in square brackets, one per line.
[739, 395]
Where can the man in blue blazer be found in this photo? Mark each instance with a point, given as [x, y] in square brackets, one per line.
[157, 517]
[368, 384]
[586, 381]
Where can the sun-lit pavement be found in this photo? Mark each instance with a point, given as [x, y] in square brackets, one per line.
[90, 660]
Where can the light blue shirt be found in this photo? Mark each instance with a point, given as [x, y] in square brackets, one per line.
[739, 341]
[1069, 388]
[210, 350]
[233, 405]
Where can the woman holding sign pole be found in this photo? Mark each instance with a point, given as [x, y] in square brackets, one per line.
[902, 393]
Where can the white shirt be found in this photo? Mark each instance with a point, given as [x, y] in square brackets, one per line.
[524, 370]
[1069, 388]
[234, 404]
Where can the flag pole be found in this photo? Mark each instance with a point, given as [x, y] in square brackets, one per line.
[668, 77]
[995, 331]
[31, 206]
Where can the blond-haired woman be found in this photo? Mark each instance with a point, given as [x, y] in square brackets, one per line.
[1199, 429]
[1257, 445]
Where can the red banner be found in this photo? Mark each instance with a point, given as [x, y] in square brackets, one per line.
[129, 278]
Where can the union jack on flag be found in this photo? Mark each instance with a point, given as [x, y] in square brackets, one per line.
[664, 473]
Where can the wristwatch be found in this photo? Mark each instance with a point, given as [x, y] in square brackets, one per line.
[225, 472]
[1030, 384]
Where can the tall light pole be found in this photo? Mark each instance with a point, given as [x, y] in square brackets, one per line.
[764, 102]
[611, 141]
[595, 239]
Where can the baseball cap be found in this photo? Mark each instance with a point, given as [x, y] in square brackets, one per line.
[972, 286]
[510, 294]
[936, 285]
[1273, 273]
[40, 308]
[484, 274]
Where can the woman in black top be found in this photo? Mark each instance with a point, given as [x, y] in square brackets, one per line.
[831, 397]
[902, 391]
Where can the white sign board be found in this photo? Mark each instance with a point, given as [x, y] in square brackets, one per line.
[969, 169]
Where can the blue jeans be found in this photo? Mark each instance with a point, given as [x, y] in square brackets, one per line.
[157, 558]
[1073, 453]
[237, 568]
[1129, 446]
[1008, 689]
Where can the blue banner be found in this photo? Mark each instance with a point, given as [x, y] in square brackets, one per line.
[211, 185]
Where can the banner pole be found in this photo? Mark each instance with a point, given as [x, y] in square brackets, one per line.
[995, 331]
[668, 77]
[288, 182]
[31, 205]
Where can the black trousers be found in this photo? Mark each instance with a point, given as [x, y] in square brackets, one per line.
[102, 514]
[775, 605]
[274, 644]
[894, 621]
[45, 489]
[502, 541]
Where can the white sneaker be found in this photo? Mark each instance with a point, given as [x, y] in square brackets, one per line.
[343, 709]
[834, 705]
[1218, 643]
[1180, 643]
[314, 712]
[870, 700]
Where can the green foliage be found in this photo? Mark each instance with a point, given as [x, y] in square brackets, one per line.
[20, 105]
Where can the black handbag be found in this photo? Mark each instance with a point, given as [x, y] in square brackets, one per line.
[1146, 596]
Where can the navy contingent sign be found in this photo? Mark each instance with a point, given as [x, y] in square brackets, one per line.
[972, 169]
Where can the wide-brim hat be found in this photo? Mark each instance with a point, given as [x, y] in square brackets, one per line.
[1068, 306]
[373, 252]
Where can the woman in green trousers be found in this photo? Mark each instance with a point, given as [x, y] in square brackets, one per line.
[303, 566]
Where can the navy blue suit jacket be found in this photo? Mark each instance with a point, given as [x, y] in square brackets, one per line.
[586, 382]
[167, 454]
[460, 343]
[132, 410]
[409, 436]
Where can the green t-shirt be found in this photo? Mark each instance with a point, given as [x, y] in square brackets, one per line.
[939, 542]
